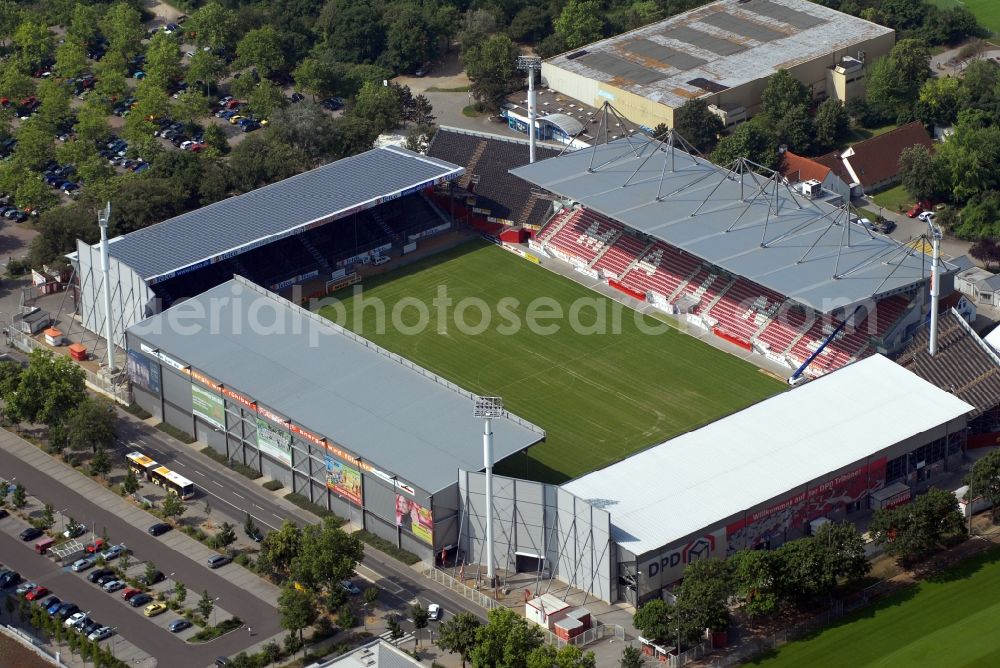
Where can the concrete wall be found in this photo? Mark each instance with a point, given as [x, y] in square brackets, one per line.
[538, 521]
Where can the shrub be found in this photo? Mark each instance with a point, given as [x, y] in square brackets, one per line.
[179, 434]
[138, 411]
[273, 485]
[212, 632]
[305, 504]
[383, 545]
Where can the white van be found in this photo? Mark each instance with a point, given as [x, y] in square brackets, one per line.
[380, 259]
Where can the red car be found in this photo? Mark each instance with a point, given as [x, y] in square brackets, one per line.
[96, 546]
[37, 593]
[130, 592]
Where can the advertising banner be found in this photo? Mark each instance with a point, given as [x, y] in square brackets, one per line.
[668, 566]
[794, 512]
[274, 441]
[142, 372]
[343, 479]
[208, 405]
[414, 518]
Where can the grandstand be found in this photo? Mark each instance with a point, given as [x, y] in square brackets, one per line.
[733, 251]
[312, 226]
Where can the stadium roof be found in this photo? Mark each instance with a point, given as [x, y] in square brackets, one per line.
[670, 491]
[386, 410]
[746, 223]
[239, 224]
[722, 45]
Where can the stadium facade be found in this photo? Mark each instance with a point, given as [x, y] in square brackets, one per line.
[721, 53]
[352, 427]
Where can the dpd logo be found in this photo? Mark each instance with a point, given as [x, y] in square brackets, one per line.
[700, 548]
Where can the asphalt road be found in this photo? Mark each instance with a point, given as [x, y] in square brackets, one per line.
[233, 494]
[141, 632]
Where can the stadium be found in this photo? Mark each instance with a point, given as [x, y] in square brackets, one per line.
[624, 454]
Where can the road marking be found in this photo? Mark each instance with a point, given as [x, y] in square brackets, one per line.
[178, 462]
[200, 473]
[239, 495]
[278, 516]
[218, 483]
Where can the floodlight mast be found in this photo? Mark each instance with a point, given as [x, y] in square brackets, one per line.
[531, 64]
[103, 217]
[935, 234]
[489, 408]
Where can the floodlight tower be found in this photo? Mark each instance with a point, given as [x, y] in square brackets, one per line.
[103, 217]
[489, 408]
[935, 234]
[531, 64]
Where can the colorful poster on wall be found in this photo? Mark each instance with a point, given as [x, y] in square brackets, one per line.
[343, 479]
[208, 405]
[143, 372]
[274, 441]
[414, 518]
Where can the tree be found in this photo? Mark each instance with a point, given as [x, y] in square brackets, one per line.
[214, 26]
[458, 635]
[843, 550]
[100, 464]
[795, 129]
[921, 174]
[579, 23]
[939, 101]
[149, 573]
[51, 386]
[297, 609]
[418, 139]
[130, 485]
[226, 535]
[306, 127]
[753, 582]
[832, 123]
[91, 425]
[326, 555]
[4, 491]
[261, 48]
[910, 532]
[378, 105]
[34, 146]
[316, 77]
[33, 41]
[987, 251]
[111, 73]
[10, 18]
[124, 562]
[352, 32]
[702, 597]
[631, 658]
[205, 605]
[172, 506]
[71, 59]
[266, 98]
[983, 478]
[420, 618]
[48, 515]
[407, 43]
[190, 106]
[32, 192]
[505, 641]
[122, 25]
[163, 60]
[697, 125]
[14, 81]
[259, 160]
[91, 122]
[568, 656]
[84, 24]
[249, 527]
[654, 619]
[783, 93]
[492, 68]
[894, 82]
[747, 141]
[395, 631]
[369, 595]
[279, 548]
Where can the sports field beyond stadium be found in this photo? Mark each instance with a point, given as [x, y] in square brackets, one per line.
[987, 12]
[950, 620]
[599, 396]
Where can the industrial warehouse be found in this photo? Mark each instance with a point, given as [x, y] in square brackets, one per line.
[722, 53]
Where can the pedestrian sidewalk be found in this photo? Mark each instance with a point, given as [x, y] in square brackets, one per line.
[179, 541]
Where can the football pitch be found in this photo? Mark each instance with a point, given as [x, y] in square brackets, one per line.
[601, 390]
[949, 620]
[987, 12]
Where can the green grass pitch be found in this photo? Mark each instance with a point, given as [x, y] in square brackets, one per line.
[950, 620]
[986, 11]
[600, 397]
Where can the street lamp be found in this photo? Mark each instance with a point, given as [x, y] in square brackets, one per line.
[215, 601]
[489, 408]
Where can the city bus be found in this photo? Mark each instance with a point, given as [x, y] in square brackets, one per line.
[141, 465]
[173, 482]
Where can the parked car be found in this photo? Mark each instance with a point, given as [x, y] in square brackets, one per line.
[152, 579]
[89, 627]
[104, 579]
[53, 605]
[927, 216]
[24, 588]
[159, 529]
[101, 572]
[350, 587]
[154, 609]
[255, 535]
[178, 625]
[67, 609]
[140, 600]
[96, 546]
[218, 560]
[111, 586]
[74, 618]
[31, 533]
[113, 552]
[36, 594]
[9, 579]
[81, 565]
[101, 634]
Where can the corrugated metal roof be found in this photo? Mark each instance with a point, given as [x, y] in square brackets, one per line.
[803, 249]
[390, 412]
[764, 452]
[267, 214]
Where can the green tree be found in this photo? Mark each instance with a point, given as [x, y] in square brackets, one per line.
[492, 68]
[214, 26]
[180, 592]
[15, 83]
[261, 48]
[352, 32]
[163, 60]
[50, 388]
[34, 145]
[33, 41]
[122, 25]
[124, 562]
[568, 656]
[297, 609]
[921, 174]
[420, 617]
[190, 106]
[631, 658]
[32, 192]
[579, 23]
[796, 129]
[655, 619]
[215, 139]
[894, 82]
[378, 105]
[911, 532]
[10, 19]
[91, 425]
[4, 491]
[149, 573]
[505, 641]
[111, 74]
[325, 556]
[205, 605]
[91, 122]
[316, 77]
[172, 506]
[843, 549]
[832, 123]
[407, 43]
[697, 125]
[226, 535]
[130, 485]
[266, 98]
[84, 24]
[783, 93]
[753, 582]
[983, 480]
[279, 548]
[395, 631]
[207, 68]
[48, 515]
[306, 127]
[71, 59]
[100, 464]
[702, 597]
[747, 141]
[939, 101]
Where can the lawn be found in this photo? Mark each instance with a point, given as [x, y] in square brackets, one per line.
[947, 621]
[600, 396]
[894, 198]
[986, 11]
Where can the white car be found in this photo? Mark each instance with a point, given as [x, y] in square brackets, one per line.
[81, 565]
[24, 588]
[113, 586]
[927, 216]
[101, 633]
[434, 611]
[74, 618]
[74, 531]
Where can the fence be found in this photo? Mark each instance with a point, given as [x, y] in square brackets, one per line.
[31, 643]
[474, 595]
